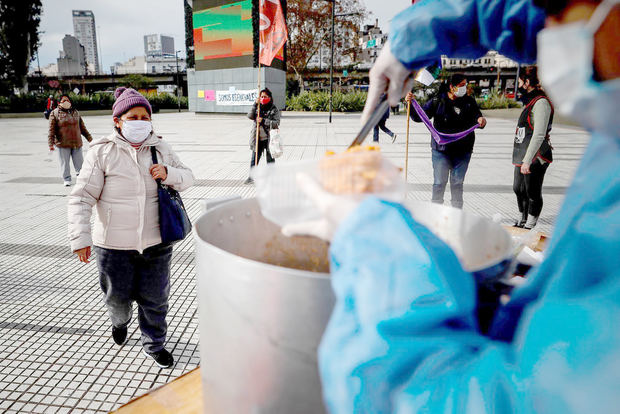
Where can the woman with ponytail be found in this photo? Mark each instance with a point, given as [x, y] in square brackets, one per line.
[531, 153]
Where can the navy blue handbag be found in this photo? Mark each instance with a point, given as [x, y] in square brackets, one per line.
[174, 222]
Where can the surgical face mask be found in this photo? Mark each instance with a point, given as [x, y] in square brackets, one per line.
[65, 105]
[565, 62]
[461, 91]
[265, 100]
[136, 131]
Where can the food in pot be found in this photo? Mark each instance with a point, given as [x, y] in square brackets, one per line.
[358, 170]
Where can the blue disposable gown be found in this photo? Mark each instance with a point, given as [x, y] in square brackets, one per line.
[403, 336]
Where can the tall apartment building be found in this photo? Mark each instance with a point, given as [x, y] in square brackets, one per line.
[84, 30]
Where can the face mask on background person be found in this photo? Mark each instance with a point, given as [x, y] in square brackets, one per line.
[65, 105]
[136, 131]
[264, 100]
[461, 91]
[565, 62]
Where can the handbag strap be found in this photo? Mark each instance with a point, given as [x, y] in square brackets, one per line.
[154, 155]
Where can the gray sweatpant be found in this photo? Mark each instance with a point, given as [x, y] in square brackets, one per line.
[76, 155]
[126, 276]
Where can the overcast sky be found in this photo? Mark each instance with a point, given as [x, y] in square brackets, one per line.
[122, 24]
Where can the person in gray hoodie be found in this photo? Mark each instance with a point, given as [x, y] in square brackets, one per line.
[118, 178]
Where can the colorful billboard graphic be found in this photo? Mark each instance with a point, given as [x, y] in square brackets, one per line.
[224, 31]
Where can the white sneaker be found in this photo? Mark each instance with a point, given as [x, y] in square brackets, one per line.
[67, 183]
[394, 138]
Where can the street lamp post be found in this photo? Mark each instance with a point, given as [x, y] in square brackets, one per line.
[517, 81]
[331, 63]
[176, 57]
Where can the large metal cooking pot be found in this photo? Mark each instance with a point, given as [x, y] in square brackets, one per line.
[260, 323]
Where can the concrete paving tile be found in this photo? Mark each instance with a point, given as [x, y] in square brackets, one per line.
[56, 333]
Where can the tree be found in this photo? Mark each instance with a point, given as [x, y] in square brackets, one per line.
[19, 41]
[309, 27]
[136, 81]
[189, 34]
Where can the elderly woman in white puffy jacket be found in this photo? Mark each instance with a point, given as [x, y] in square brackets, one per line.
[118, 177]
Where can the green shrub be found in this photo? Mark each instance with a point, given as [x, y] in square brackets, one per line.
[100, 100]
[495, 101]
[319, 101]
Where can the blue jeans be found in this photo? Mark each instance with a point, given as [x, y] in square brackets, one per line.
[381, 124]
[445, 166]
[126, 276]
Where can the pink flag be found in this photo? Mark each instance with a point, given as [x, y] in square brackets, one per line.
[272, 30]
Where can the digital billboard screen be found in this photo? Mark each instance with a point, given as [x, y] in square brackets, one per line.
[223, 34]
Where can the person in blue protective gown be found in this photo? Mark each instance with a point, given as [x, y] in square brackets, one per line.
[403, 337]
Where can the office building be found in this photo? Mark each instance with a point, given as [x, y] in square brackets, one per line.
[158, 46]
[72, 60]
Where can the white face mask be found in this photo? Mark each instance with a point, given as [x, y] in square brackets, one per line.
[565, 56]
[461, 91]
[65, 105]
[136, 131]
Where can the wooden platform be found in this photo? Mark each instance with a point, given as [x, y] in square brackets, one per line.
[181, 396]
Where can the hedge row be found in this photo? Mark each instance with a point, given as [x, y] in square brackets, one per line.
[319, 101]
[495, 101]
[354, 101]
[37, 102]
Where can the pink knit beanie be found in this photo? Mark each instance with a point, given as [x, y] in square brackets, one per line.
[127, 98]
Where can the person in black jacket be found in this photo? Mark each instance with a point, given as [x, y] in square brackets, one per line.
[452, 111]
[268, 118]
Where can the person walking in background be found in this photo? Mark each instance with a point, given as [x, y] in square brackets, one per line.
[381, 125]
[268, 118]
[119, 179]
[531, 153]
[65, 129]
[452, 111]
[49, 106]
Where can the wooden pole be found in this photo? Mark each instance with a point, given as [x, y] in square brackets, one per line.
[407, 146]
[257, 115]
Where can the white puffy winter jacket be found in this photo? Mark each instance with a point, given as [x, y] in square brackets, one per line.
[115, 178]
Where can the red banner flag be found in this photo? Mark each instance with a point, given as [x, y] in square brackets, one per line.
[272, 30]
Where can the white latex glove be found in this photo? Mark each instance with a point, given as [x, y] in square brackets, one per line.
[334, 208]
[387, 72]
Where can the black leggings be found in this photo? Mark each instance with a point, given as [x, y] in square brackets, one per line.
[528, 188]
[263, 145]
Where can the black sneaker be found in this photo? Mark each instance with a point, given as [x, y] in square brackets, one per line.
[162, 358]
[249, 181]
[119, 335]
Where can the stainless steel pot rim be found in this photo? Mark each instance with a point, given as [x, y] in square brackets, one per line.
[231, 256]
[318, 275]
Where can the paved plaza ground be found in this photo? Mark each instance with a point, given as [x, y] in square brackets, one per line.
[57, 354]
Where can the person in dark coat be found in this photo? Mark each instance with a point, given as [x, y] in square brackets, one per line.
[452, 111]
[268, 118]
